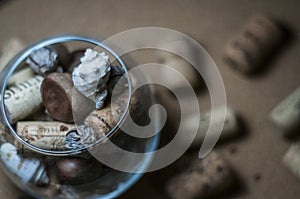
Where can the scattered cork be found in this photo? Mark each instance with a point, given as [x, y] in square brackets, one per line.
[292, 159]
[286, 115]
[201, 178]
[252, 47]
[230, 129]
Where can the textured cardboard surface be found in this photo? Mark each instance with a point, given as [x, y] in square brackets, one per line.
[212, 23]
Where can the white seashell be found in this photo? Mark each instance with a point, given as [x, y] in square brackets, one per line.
[91, 72]
[28, 169]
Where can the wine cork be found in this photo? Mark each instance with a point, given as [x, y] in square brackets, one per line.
[201, 178]
[23, 99]
[45, 135]
[98, 123]
[292, 159]
[10, 49]
[56, 91]
[248, 51]
[20, 76]
[179, 64]
[286, 115]
[230, 129]
[104, 120]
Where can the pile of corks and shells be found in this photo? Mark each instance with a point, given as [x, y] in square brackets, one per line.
[41, 102]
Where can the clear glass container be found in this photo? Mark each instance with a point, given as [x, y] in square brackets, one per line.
[53, 170]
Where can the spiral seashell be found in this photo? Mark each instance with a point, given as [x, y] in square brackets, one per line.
[92, 74]
[73, 138]
[27, 169]
[100, 99]
[82, 136]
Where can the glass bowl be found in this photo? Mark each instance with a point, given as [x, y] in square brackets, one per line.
[33, 159]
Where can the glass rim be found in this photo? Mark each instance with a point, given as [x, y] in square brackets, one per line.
[7, 72]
